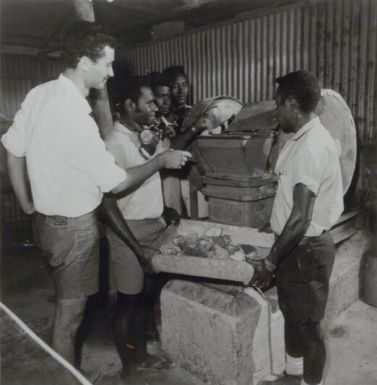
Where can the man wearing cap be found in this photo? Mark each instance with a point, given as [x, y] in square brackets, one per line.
[308, 202]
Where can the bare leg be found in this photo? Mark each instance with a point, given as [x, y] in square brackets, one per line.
[68, 316]
[124, 330]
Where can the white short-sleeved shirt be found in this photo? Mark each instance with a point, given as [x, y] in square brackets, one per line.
[68, 165]
[310, 157]
[146, 202]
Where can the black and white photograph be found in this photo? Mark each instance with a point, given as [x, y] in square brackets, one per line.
[188, 192]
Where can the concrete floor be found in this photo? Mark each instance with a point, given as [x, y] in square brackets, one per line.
[27, 289]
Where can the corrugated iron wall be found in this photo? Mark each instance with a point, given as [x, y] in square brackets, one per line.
[18, 75]
[336, 39]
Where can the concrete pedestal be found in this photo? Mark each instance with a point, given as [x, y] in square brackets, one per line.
[227, 336]
[222, 335]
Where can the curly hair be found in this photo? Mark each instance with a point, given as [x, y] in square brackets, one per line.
[171, 73]
[157, 80]
[302, 86]
[84, 39]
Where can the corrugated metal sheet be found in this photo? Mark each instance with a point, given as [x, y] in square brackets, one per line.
[18, 75]
[11, 211]
[336, 39]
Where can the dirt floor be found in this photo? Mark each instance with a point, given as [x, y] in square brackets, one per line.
[27, 290]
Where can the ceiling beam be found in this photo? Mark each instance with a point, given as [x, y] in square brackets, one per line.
[11, 49]
[52, 38]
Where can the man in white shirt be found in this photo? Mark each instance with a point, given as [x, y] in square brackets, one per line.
[308, 202]
[137, 221]
[69, 171]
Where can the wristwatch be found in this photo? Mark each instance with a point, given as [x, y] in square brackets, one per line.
[269, 265]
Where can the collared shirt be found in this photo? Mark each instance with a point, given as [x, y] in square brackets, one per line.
[310, 157]
[146, 201]
[68, 165]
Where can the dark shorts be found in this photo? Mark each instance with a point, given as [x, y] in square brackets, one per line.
[70, 247]
[302, 279]
[126, 274]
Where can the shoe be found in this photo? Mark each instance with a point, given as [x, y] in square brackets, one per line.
[154, 363]
[154, 347]
[286, 379]
[132, 379]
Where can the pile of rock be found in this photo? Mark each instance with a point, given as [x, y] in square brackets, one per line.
[213, 244]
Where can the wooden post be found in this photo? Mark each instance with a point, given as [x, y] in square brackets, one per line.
[100, 102]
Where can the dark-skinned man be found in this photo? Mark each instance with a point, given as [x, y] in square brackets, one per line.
[137, 226]
[175, 186]
[161, 91]
[308, 202]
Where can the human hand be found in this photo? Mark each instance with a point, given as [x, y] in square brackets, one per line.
[171, 216]
[263, 274]
[175, 159]
[201, 125]
[28, 207]
[146, 254]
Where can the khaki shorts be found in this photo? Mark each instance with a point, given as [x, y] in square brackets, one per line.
[126, 274]
[71, 249]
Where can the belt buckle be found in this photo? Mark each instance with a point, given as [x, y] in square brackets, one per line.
[60, 221]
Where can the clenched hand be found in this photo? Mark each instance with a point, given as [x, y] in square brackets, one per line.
[175, 159]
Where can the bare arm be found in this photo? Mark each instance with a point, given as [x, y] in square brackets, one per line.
[182, 140]
[17, 174]
[102, 112]
[137, 175]
[293, 232]
[114, 218]
[296, 226]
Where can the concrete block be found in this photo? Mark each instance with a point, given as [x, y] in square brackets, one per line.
[345, 280]
[221, 336]
[268, 353]
[226, 335]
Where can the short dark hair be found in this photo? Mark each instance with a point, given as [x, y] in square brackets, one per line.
[84, 39]
[302, 86]
[171, 73]
[133, 87]
[157, 80]
[131, 91]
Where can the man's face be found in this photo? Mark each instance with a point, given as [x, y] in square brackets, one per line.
[100, 70]
[179, 89]
[145, 110]
[163, 101]
[284, 114]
